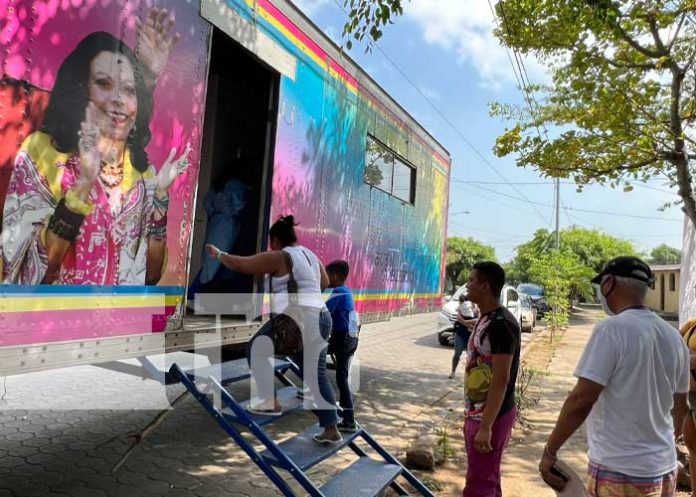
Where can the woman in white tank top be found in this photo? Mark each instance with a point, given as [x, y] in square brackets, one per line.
[311, 278]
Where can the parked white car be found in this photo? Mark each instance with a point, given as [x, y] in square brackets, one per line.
[509, 297]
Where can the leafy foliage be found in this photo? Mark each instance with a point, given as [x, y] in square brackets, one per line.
[590, 248]
[444, 443]
[621, 105]
[566, 273]
[367, 18]
[621, 100]
[561, 274]
[376, 155]
[664, 254]
[462, 254]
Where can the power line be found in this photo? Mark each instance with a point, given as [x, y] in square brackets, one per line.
[641, 185]
[528, 94]
[592, 211]
[531, 101]
[544, 183]
[518, 183]
[484, 230]
[565, 210]
[515, 206]
[523, 197]
[584, 221]
[445, 118]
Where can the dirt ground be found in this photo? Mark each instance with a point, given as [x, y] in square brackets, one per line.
[550, 365]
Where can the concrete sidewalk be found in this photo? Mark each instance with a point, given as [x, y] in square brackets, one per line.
[520, 468]
[520, 475]
[51, 451]
[520, 465]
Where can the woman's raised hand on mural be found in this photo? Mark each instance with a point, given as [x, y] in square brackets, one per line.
[90, 157]
[154, 42]
[171, 169]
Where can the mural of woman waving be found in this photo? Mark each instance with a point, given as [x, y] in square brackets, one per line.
[84, 204]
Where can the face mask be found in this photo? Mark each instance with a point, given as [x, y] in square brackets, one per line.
[603, 299]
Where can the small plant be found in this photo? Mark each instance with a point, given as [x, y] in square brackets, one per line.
[444, 443]
[525, 396]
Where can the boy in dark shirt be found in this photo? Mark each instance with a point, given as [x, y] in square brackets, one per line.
[344, 337]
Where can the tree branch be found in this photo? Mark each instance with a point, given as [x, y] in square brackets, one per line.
[656, 36]
[676, 33]
[629, 65]
[653, 54]
[596, 173]
[690, 64]
[681, 159]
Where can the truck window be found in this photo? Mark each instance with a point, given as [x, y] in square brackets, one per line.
[389, 173]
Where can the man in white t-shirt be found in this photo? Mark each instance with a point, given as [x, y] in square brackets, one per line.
[633, 380]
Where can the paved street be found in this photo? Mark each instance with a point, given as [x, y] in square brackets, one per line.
[57, 451]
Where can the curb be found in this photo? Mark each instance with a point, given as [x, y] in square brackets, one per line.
[535, 336]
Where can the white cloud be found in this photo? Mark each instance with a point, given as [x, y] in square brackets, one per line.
[310, 7]
[466, 28]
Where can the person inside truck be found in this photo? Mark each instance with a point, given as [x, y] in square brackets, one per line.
[84, 205]
[312, 280]
[224, 205]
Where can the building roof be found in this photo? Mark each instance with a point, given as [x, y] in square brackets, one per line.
[665, 267]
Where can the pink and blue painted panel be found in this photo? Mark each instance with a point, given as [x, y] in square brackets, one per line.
[125, 271]
[396, 249]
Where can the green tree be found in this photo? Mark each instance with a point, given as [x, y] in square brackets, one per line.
[367, 18]
[376, 155]
[622, 101]
[558, 272]
[565, 273]
[664, 254]
[590, 249]
[462, 254]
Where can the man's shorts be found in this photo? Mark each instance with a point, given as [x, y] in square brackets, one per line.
[603, 482]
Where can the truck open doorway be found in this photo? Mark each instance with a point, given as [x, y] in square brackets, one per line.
[234, 186]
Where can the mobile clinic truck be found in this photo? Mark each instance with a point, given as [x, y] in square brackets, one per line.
[199, 110]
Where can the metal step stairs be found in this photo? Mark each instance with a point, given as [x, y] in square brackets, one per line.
[365, 477]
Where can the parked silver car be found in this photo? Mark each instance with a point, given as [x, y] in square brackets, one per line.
[529, 312]
[509, 297]
[538, 295]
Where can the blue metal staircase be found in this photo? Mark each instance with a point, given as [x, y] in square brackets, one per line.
[366, 477]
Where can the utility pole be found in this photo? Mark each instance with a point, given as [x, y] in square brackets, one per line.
[554, 309]
[558, 213]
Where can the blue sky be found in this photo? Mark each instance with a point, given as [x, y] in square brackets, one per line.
[445, 47]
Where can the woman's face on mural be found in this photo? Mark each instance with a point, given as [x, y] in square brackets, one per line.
[113, 91]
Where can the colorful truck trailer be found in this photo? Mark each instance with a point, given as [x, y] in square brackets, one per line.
[131, 134]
